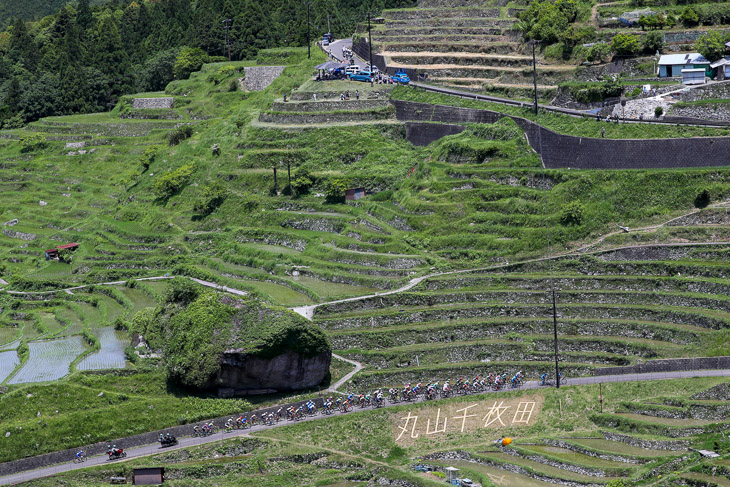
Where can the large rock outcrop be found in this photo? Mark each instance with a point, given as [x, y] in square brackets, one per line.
[243, 372]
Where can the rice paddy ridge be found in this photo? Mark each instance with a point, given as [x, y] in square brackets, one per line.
[469, 48]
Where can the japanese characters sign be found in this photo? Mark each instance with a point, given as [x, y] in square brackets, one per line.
[464, 417]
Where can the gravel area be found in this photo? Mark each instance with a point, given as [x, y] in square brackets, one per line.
[644, 106]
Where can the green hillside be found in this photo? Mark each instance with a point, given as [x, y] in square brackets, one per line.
[451, 255]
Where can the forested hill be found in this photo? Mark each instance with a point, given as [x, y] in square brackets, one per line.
[29, 9]
[85, 55]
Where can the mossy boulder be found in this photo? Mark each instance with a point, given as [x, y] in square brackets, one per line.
[215, 340]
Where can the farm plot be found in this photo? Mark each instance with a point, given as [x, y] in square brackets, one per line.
[8, 362]
[49, 360]
[111, 353]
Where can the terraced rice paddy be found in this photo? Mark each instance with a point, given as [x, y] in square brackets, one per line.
[8, 362]
[499, 477]
[111, 353]
[621, 448]
[49, 360]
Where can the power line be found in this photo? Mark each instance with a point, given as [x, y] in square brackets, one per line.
[227, 23]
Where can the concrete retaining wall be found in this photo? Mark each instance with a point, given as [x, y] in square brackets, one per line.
[568, 152]
[150, 103]
[421, 134]
[669, 365]
[260, 77]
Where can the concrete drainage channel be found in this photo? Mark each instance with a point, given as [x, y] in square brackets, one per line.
[145, 444]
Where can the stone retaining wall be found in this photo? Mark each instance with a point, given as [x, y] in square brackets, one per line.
[330, 106]
[260, 77]
[669, 365]
[568, 152]
[380, 94]
[323, 118]
[671, 445]
[149, 103]
[471, 13]
[491, 312]
[716, 111]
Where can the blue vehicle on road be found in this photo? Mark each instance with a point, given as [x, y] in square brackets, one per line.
[362, 76]
[400, 77]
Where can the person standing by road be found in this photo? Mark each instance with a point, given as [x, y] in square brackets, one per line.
[357, 94]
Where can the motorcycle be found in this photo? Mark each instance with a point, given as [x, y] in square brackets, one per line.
[116, 453]
[168, 441]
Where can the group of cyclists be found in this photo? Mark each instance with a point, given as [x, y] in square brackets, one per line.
[348, 402]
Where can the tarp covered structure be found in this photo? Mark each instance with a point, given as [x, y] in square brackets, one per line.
[330, 66]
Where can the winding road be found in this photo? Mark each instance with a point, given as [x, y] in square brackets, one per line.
[186, 442]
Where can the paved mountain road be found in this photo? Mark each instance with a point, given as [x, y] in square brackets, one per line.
[186, 442]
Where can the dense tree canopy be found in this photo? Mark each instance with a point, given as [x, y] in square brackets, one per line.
[89, 52]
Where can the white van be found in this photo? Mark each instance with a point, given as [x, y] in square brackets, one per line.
[352, 69]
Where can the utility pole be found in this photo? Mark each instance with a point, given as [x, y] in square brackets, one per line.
[276, 186]
[227, 23]
[555, 332]
[534, 75]
[329, 31]
[309, 43]
[370, 45]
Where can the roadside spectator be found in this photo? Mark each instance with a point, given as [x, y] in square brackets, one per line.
[598, 117]
[284, 97]
[603, 133]
[357, 94]
[314, 95]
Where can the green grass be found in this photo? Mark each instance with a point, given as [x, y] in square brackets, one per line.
[281, 294]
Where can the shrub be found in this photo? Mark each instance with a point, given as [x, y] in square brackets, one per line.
[702, 199]
[188, 61]
[689, 17]
[222, 73]
[625, 44]
[335, 190]
[172, 182]
[148, 156]
[176, 136]
[572, 213]
[33, 142]
[599, 52]
[558, 50]
[301, 181]
[211, 198]
[653, 42]
[712, 44]
[181, 291]
[658, 112]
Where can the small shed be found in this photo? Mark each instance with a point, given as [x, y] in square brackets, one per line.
[673, 64]
[148, 476]
[452, 474]
[693, 76]
[354, 194]
[722, 67]
[53, 253]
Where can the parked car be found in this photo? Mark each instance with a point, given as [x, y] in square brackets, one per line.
[325, 42]
[352, 69]
[401, 78]
[362, 76]
[374, 69]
